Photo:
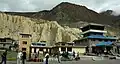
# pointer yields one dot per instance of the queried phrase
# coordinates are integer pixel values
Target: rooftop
(99, 31)
(92, 24)
(101, 37)
(25, 34)
(65, 42)
(4, 38)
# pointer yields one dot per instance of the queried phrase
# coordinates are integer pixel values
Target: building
(63, 46)
(25, 42)
(68, 47)
(79, 49)
(6, 43)
(93, 36)
(39, 49)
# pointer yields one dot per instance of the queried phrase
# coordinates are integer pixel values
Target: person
(78, 57)
(19, 57)
(58, 56)
(73, 54)
(4, 57)
(23, 57)
(46, 58)
(87, 49)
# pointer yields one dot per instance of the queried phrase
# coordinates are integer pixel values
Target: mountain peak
(62, 4)
(107, 12)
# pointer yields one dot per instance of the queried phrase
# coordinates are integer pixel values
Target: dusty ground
(75, 62)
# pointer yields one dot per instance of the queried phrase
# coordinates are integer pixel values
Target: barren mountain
(67, 13)
(72, 15)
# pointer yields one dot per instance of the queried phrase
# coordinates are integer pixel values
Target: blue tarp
(100, 36)
(104, 44)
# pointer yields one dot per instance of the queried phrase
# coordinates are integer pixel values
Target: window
(92, 39)
(33, 43)
(41, 49)
(69, 49)
(63, 49)
(70, 44)
(34, 50)
(24, 42)
(105, 40)
(63, 44)
(3, 45)
(23, 49)
(100, 40)
(25, 36)
(40, 44)
(43, 44)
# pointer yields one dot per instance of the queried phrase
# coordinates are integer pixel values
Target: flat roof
(25, 34)
(7, 38)
(56, 46)
(71, 46)
(35, 46)
(96, 24)
(6, 43)
(101, 37)
(91, 30)
(65, 42)
(92, 24)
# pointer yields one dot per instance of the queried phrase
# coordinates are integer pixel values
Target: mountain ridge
(67, 12)
(70, 14)
(52, 25)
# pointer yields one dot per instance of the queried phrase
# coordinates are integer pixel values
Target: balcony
(5, 42)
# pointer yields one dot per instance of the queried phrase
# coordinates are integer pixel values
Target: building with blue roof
(93, 36)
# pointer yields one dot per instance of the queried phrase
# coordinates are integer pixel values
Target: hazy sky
(37, 5)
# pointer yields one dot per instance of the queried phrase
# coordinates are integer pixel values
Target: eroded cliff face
(41, 30)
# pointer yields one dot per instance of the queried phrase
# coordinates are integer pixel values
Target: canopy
(101, 37)
(104, 44)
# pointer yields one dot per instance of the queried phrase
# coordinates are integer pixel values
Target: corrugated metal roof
(101, 37)
(104, 43)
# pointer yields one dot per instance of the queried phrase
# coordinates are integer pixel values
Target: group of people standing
(47, 57)
(76, 55)
(21, 57)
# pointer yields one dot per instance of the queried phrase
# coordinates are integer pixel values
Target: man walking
(46, 58)
(23, 57)
(19, 57)
(4, 57)
(58, 56)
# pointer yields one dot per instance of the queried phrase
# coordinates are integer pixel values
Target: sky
(38, 5)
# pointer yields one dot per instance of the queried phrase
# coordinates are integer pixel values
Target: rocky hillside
(41, 30)
(67, 13)
(115, 18)
(72, 15)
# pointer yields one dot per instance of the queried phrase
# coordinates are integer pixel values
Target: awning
(104, 44)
